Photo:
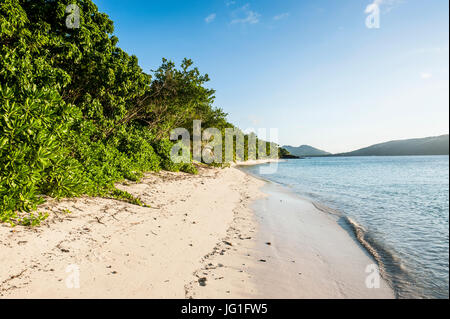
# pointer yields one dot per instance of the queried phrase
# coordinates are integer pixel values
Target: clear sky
(312, 69)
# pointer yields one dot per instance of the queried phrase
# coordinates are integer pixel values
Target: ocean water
(398, 205)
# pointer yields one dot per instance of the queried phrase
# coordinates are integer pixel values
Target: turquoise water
(401, 203)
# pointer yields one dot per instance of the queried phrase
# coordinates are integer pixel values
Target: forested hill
(305, 150)
(437, 145)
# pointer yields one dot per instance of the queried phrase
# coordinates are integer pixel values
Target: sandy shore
(310, 253)
(213, 235)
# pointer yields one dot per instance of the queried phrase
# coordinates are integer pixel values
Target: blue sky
(312, 69)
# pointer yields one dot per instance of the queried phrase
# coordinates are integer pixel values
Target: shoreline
(312, 255)
(354, 230)
(206, 236)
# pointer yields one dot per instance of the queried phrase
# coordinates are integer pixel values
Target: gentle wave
(361, 235)
(387, 261)
(395, 207)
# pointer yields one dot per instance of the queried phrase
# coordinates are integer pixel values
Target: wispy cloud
(426, 75)
(245, 16)
(210, 18)
(281, 16)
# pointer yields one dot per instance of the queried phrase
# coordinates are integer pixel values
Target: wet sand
(220, 234)
(311, 254)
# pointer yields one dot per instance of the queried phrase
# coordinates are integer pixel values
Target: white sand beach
(219, 234)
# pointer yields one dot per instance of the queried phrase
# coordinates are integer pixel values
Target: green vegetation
(305, 150)
(78, 114)
(284, 153)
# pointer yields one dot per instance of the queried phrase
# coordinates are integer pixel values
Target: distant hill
(305, 150)
(437, 145)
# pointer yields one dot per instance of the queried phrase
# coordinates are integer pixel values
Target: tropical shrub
(78, 114)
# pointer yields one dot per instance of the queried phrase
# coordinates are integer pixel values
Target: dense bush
(78, 114)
